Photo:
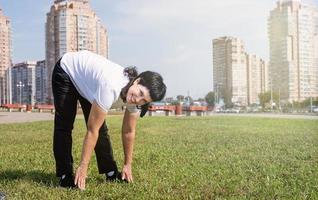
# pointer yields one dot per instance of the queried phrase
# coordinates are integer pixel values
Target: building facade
(293, 39)
(40, 82)
(5, 57)
(9, 85)
(230, 70)
(23, 83)
(257, 78)
(72, 26)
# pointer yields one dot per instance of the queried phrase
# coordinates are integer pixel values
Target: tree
(180, 98)
(265, 98)
(118, 104)
(175, 102)
(210, 98)
(188, 99)
(169, 99)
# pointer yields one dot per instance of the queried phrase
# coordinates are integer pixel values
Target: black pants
(65, 102)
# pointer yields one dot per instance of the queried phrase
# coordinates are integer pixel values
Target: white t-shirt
(96, 78)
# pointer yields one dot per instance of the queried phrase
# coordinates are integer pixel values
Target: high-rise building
(5, 56)
(238, 77)
(40, 82)
(9, 85)
(72, 26)
(23, 82)
(230, 70)
(257, 78)
(293, 39)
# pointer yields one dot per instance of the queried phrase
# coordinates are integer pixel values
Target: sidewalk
(270, 115)
(20, 117)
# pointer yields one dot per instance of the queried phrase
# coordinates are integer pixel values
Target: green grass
(175, 158)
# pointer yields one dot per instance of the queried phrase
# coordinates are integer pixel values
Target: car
(313, 109)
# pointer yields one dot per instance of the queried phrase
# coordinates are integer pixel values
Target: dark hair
(151, 80)
(131, 72)
(154, 83)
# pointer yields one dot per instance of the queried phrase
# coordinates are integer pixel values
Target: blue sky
(172, 37)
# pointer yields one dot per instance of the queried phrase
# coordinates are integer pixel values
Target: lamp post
(217, 93)
(310, 104)
(280, 109)
(20, 86)
(30, 93)
(310, 100)
(271, 96)
(308, 88)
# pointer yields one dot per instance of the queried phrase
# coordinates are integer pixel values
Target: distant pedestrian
(97, 83)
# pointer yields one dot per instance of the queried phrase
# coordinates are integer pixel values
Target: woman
(97, 83)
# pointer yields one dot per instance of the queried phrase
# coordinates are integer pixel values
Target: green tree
(210, 98)
(118, 104)
(188, 99)
(180, 98)
(265, 98)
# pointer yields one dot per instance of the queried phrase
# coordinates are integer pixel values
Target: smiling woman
(142, 89)
(97, 83)
(138, 94)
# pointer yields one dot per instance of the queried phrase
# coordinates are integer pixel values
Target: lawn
(175, 158)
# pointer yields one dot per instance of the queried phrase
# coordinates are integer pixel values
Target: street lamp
(279, 106)
(271, 95)
(309, 88)
(29, 93)
(20, 86)
(217, 92)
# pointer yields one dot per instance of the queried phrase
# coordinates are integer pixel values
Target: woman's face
(138, 94)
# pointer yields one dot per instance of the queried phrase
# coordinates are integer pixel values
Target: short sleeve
(132, 108)
(104, 96)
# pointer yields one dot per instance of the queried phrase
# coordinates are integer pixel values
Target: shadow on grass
(41, 177)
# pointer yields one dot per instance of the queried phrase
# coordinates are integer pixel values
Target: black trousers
(65, 102)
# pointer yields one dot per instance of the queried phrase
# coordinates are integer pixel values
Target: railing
(178, 110)
(11, 107)
(28, 107)
(41, 107)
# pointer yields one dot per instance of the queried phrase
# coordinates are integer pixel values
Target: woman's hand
(80, 177)
(127, 174)
(95, 120)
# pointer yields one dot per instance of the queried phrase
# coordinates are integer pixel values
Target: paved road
(21, 117)
(18, 117)
(270, 115)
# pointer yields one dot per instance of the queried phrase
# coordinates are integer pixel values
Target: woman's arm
(128, 138)
(95, 121)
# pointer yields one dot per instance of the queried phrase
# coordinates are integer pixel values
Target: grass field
(175, 158)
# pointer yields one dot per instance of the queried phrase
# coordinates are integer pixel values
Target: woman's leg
(65, 102)
(103, 148)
